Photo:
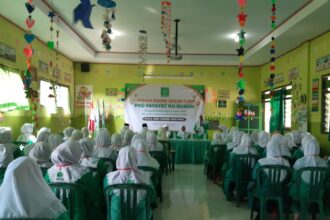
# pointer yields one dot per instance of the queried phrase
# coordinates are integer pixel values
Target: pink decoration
(29, 22)
(241, 3)
(28, 52)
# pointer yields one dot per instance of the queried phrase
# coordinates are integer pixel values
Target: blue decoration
(239, 117)
(51, 14)
(272, 59)
(29, 38)
(29, 7)
(107, 3)
(272, 50)
(83, 12)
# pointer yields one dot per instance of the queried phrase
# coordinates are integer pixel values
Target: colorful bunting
(272, 51)
(143, 47)
(108, 17)
(166, 26)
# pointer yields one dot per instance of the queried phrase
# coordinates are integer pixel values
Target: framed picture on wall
(111, 91)
(222, 103)
(7, 52)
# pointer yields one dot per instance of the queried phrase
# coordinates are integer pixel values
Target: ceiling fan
(176, 47)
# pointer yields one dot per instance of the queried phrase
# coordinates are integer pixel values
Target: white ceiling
(203, 31)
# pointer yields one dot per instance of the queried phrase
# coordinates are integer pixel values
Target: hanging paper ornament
(166, 26)
(29, 6)
(83, 12)
(29, 38)
(108, 17)
(29, 22)
(241, 18)
(143, 46)
(241, 3)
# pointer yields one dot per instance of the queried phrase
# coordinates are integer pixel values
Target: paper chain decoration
(109, 16)
(143, 47)
(241, 18)
(272, 66)
(166, 26)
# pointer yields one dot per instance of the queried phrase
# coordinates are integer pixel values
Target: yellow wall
(12, 36)
(304, 58)
(103, 76)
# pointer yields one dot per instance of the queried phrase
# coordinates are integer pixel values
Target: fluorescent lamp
(167, 77)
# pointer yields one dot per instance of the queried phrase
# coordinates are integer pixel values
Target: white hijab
(288, 137)
(40, 153)
(254, 137)
(263, 139)
(116, 142)
(54, 140)
(26, 136)
(67, 133)
(66, 167)
(237, 136)
(6, 156)
(217, 138)
(43, 136)
(245, 147)
(128, 138)
(152, 143)
(143, 156)
(162, 134)
(87, 158)
(127, 171)
(278, 138)
(229, 136)
(85, 132)
(42, 130)
(296, 137)
(103, 147)
(6, 137)
(76, 135)
(123, 131)
(25, 194)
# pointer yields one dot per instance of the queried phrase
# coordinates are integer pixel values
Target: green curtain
(277, 115)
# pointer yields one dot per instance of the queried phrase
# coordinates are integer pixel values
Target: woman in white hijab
(42, 137)
(6, 138)
(143, 156)
(296, 137)
(54, 141)
(162, 134)
(217, 138)
(40, 153)
(103, 147)
(237, 136)
(42, 130)
(153, 144)
(289, 141)
(224, 132)
(76, 135)
(128, 138)
(6, 156)
(254, 136)
(128, 172)
(67, 133)
(285, 151)
(116, 142)
(85, 133)
(24, 193)
(67, 169)
(299, 152)
(311, 159)
(263, 139)
(245, 147)
(229, 136)
(27, 136)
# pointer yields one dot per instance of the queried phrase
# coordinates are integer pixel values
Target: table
(190, 151)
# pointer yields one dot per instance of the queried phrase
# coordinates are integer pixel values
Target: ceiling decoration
(108, 17)
(207, 36)
(166, 21)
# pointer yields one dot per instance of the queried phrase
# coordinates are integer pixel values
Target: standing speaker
(84, 67)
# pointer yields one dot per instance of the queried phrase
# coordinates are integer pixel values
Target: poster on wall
(67, 77)
(222, 104)
(323, 63)
(210, 95)
(315, 95)
(223, 94)
(302, 120)
(279, 78)
(8, 53)
(156, 105)
(43, 67)
(84, 95)
(293, 74)
(111, 91)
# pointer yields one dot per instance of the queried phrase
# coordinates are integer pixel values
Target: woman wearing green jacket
(128, 172)
(24, 194)
(67, 169)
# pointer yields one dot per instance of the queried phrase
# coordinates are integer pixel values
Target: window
(12, 95)
(325, 120)
(62, 97)
(287, 108)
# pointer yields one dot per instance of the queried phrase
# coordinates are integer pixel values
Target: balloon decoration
(83, 12)
(166, 26)
(272, 66)
(241, 18)
(143, 47)
(108, 17)
(28, 50)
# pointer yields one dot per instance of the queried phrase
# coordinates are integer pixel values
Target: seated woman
(143, 156)
(263, 138)
(237, 136)
(229, 135)
(85, 133)
(254, 137)
(217, 138)
(128, 135)
(24, 194)
(224, 132)
(162, 134)
(6, 156)
(299, 152)
(103, 147)
(153, 144)
(285, 151)
(6, 138)
(67, 133)
(311, 159)
(40, 153)
(245, 147)
(76, 135)
(116, 142)
(128, 172)
(42, 137)
(289, 141)
(67, 169)
(54, 141)
(26, 136)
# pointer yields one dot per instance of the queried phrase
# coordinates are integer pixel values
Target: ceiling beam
(65, 26)
(305, 11)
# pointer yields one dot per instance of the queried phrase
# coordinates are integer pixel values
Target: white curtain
(12, 94)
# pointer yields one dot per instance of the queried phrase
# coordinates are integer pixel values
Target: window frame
(324, 91)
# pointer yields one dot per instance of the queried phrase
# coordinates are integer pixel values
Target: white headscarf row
(25, 194)
(55, 140)
(245, 147)
(237, 136)
(217, 138)
(263, 138)
(116, 141)
(128, 138)
(41, 154)
(143, 156)
(6, 156)
(152, 143)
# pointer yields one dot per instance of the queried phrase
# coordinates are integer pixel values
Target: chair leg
(321, 209)
(262, 209)
(303, 211)
(280, 208)
(237, 194)
(252, 209)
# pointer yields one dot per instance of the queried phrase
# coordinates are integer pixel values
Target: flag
(91, 118)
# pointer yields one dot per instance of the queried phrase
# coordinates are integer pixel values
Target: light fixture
(234, 36)
(182, 77)
(151, 10)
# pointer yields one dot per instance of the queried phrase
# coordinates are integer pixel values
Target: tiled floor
(189, 196)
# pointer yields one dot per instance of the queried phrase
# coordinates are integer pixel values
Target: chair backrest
(156, 176)
(26, 219)
(166, 145)
(128, 195)
(160, 156)
(314, 178)
(72, 196)
(111, 162)
(218, 155)
(272, 179)
(243, 167)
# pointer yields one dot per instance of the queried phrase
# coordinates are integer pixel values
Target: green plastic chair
(128, 199)
(217, 157)
(271, 176)
(242, 171)
(315, 191)
(70, 194)
(160, 156)
(26, 219)
(110, 161)
(156, 179)
(170, 155)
